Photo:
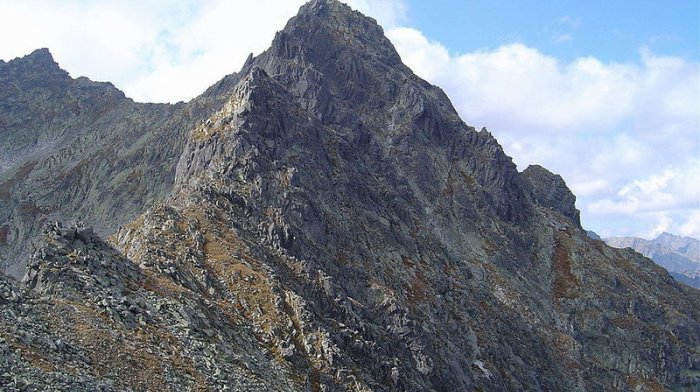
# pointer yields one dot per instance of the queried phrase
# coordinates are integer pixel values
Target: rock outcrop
(86, 318)
(333, 225)
(550, 190)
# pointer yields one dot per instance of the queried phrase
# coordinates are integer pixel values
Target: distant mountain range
(679, 255)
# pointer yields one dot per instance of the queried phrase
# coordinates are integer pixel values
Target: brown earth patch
(565, 283)
(4, 233)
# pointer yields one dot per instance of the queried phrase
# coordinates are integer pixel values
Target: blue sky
(605, 93)
(610, 30)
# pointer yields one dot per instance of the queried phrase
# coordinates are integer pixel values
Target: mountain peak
(669, 236)
(333, 225)
(325, 7)
(39, 64)
(41, 57)
(323, 28)
(43, 54)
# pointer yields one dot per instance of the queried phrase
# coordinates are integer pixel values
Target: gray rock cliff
(550, 190)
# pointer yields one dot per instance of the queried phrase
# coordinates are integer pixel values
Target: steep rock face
(335, 226)
(363, 193)
(326, 187)
(41, 101)
(550, 190)
(347, 73)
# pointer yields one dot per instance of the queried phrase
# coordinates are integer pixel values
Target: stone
(550, 190)
(320, 220)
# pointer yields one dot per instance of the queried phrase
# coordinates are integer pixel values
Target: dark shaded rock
(550, 190)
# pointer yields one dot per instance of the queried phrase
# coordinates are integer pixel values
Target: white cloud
(663, 225)
(571, 21)
(81, 36)
(623, 152)
(691, 227)
(667, 200)
(159, 50)
(536, 91)
(213, 41)
(686, 224)
(562, 29)
(562, 38)
(389, 13)
(590, 187)
(670, 189)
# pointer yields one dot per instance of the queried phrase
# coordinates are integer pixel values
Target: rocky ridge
(78, 149)
(333, 225)
(550, 190)
(87, 318)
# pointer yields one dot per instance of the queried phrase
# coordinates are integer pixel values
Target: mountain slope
(334, 225)
(77, 149)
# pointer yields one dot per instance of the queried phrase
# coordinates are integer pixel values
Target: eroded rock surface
(332, 225)
(550, 190)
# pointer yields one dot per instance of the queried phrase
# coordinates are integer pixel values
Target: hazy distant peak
(679, 255)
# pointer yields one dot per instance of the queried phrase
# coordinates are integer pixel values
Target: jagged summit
(324, 11)
(41, 54)
(550, 190)
(24, 78)
(321, 25)
(40, 57)
(320, 220)
(668, 237)
(326, 8)
(324, 37)
(37, 69)
(340, 68)
(72, 148)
